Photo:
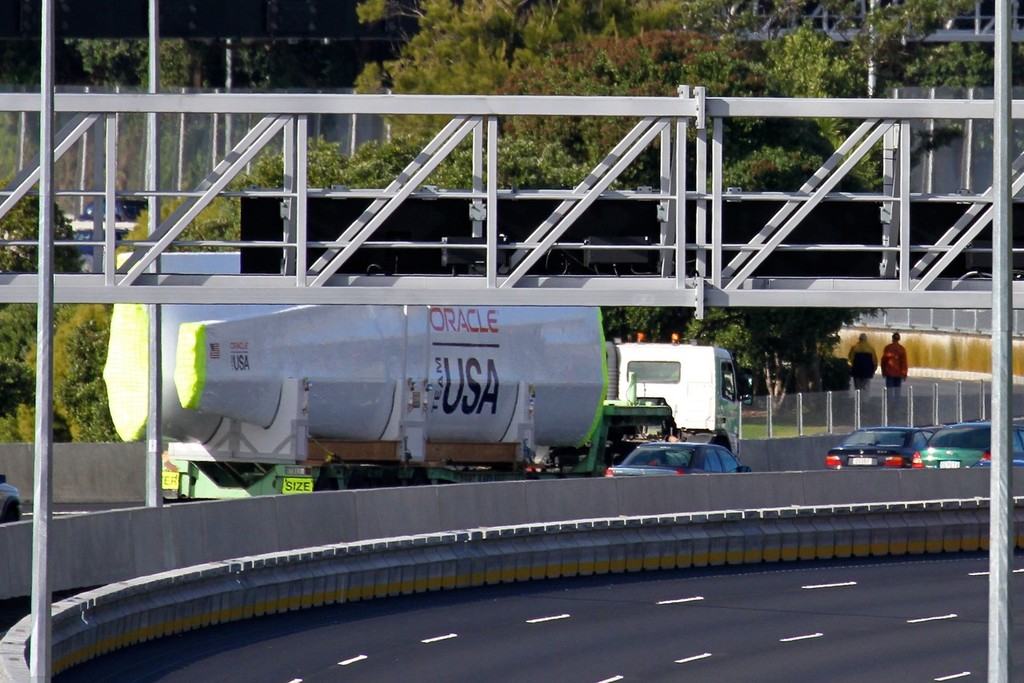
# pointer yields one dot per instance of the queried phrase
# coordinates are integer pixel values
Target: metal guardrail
(957, 321)
(120, 615)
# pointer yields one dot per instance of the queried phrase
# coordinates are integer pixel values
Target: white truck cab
(700, 383)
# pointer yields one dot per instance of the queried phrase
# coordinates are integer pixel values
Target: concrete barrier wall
(116, 472)
(121, 615)
(789, 454)
(103, 547)
(82, 472)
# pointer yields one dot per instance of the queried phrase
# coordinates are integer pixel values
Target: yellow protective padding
(190, 364)
(127, 370)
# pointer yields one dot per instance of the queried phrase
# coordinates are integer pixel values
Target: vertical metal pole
(476, 224)
(353, 142)
(959, 401)
(935, 403)
(229, 58)
(856, 409)
(800, 414)
(289, 158)
(910, 406)
(679, 187)
(99, 176)
(491, 228)
(1001, 477)
(982, 412)
(872, 68)
(769, 413)
(301, 199)
(110, 180)
(828, 412)
(181, 148)
(885, 407)
(41, 646)
(22, 134)
(154, 449)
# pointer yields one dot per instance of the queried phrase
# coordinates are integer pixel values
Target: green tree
(807, 63)
(21, 224)
(17, 384)
(522, 163)
(17, 332)
(964, 65)
(80, 395)
(657, 323)
(783, 346)
(892, 36)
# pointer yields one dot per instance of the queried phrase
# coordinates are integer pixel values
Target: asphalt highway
(921, 618)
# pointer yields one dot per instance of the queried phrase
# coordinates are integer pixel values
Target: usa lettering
(466, 386)
(240, 362)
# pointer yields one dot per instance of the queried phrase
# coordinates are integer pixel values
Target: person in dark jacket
(863, 363)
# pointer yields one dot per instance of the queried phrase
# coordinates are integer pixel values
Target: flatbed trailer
(621, 427)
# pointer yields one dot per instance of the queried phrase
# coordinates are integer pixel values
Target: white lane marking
(295, 680)
(795, 638)
(612, 679)
(829, 585)
(541, 620)
(687, 660)
(924, 619)
(352, 660)
(680, 600)
(962, 674)
(1015, 571)
(440, 638)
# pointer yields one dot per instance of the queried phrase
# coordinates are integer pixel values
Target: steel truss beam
(695, 254)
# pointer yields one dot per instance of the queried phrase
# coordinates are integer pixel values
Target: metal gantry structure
(699, 242)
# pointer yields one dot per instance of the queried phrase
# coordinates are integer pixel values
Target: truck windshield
(655, 371)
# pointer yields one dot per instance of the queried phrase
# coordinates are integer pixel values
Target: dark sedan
(680, 457)
(10, 502)
(879, 447)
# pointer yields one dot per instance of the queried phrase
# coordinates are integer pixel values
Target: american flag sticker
(214, 350)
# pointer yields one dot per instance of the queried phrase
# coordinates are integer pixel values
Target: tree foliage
(523, 163)
(21, 223)
(783, 346)
(80, 394)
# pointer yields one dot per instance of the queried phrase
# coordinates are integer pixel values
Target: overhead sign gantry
(921, 232)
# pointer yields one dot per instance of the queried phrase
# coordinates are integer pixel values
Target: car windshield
(876, 437)
(678, 456)
(973, 437)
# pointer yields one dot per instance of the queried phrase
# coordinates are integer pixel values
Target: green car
(963, 445)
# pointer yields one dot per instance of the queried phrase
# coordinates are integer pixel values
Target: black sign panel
(194, 19)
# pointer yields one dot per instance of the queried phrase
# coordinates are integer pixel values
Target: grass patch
(755, 430)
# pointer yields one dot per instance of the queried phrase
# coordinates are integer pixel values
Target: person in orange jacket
(894, 366)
